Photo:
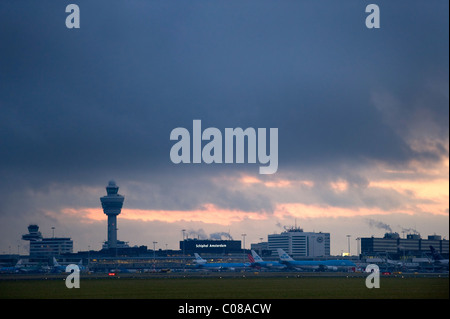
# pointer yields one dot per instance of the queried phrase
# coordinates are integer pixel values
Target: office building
(412, 245)
(46, 247)
(298, 243)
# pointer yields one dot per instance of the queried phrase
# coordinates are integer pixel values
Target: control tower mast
(112, 206)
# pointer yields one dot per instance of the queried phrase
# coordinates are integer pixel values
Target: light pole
(154, 255)
(348, 236)
(358, 246)
(184, 258)
(243, 237)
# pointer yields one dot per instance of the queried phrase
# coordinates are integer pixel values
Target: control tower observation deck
(112, 206)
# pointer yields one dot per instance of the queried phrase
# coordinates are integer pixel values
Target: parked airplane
(257, 261)
(21, 267)
(437, 258)
(199, 260)
(57, 267)
(13, 269)
(321, 265)
(61, 268)
(203, 264)
(81, 267)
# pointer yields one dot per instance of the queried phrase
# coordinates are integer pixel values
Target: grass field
(229, 288)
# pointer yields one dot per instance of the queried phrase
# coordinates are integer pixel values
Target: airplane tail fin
(250, 257)
(435, 254)
(256, 256)
(55, 263)
(283, 255)
(198, 259)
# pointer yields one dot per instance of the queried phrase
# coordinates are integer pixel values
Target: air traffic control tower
(112, 205)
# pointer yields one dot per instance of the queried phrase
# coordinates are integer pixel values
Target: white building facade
(49, 247)
(298, 243)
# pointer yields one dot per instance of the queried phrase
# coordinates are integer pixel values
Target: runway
(215, 274)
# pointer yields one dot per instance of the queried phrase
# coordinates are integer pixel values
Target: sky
(362, 117)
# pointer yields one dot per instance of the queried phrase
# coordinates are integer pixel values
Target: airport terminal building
(46, 247)
(396, 247)
(208, 246)
(298, 243)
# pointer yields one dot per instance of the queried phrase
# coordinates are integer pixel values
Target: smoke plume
(379, 225)
(220, 235)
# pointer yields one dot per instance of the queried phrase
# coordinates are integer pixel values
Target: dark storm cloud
(82, 106)
(108, 95)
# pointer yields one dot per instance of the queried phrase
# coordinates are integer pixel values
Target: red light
(111, 274)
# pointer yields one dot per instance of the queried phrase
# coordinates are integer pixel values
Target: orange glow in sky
(428, 195)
